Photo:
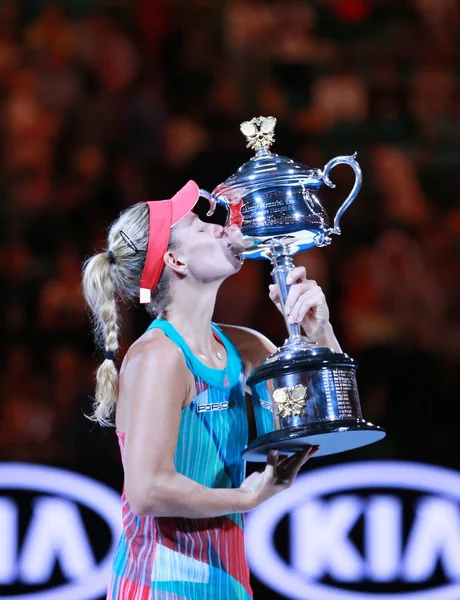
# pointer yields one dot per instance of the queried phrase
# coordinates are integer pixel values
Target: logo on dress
(266, 405)
(215, 406)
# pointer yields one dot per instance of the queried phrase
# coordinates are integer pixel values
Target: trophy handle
(212, 201)
(348, 160)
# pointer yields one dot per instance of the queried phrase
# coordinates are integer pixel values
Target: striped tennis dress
(175, 558)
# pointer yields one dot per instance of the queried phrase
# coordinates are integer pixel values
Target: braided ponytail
(99, 290)
(117, 273)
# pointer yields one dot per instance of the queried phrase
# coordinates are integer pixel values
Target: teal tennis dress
(174, 558)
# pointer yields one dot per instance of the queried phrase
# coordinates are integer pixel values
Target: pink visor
(163, 214)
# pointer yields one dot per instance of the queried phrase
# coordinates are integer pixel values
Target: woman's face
(210, 251)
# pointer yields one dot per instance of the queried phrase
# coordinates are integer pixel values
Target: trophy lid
(277, 196)
(265, 169)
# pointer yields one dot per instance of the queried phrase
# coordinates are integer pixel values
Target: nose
(218, 230)
(233, 231)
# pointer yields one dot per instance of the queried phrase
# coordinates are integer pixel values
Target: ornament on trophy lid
(259, 132)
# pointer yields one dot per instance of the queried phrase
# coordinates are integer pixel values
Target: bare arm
(252, 345)
(156, 382)
(158, 385)
(325, 336)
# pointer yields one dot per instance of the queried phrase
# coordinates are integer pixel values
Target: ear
(174, 262)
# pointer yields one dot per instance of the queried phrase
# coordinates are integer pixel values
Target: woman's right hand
(278, 475)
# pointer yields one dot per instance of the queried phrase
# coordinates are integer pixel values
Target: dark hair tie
(109, 355)
(129, 242)
(112, 257)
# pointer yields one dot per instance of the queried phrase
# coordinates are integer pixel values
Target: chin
(236, 269)
(237, 263)
(232, 268)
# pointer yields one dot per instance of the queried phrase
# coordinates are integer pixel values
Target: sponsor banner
(380, 530)
(48, 548)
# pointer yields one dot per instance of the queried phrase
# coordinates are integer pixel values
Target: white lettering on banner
(323, 514)
(56, 533)
(8, 540)
(435, 536)
(319, 539)
(383, 528)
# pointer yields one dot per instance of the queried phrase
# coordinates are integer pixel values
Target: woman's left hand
(305, 304)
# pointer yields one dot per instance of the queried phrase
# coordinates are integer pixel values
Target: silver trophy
(303, 394)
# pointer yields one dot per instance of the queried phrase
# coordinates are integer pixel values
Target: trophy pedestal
(332, 438)
(307, 396)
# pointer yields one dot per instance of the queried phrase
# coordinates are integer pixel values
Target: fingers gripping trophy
(303, 394)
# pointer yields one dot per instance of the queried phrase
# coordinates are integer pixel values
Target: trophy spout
(347, 160)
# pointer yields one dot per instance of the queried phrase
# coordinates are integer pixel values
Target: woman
(180, 400)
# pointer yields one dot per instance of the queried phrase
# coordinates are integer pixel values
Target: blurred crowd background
(105, 104)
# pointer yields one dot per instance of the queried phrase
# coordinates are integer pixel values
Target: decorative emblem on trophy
(290, 401)
(303, 394)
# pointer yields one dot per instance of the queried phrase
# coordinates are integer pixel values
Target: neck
(191, 314)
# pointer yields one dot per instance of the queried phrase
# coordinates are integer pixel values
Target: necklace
(219, 355)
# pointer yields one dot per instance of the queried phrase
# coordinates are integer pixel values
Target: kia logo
(350, 527)
(55, 533)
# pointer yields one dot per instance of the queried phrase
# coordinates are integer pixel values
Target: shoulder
(253, 346)
(153, 372)
(152, 349)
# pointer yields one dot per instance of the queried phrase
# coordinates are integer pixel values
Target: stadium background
(104, 104)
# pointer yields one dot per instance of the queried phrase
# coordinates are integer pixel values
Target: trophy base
(332, 437)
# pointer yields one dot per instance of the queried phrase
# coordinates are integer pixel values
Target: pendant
(219, 356)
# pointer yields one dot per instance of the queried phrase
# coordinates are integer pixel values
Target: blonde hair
(108, 278)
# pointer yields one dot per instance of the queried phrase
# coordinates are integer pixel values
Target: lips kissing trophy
(303, 394)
